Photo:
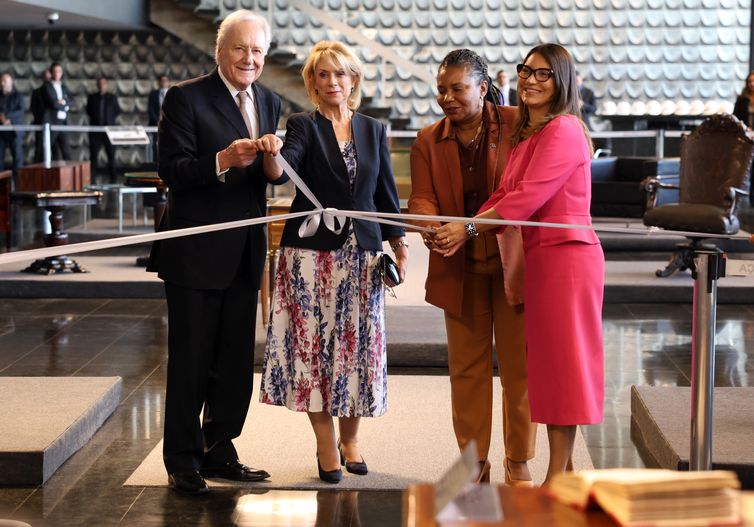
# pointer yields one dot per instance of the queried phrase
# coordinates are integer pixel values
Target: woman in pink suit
(547, 178)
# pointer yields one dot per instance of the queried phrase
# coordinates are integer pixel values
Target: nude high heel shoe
(484, 472)
(520, 483)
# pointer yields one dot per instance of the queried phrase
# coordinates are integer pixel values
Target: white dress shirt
(250, 112)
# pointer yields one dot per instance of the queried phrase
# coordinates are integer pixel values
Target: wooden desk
(56, 201)
(60, 175)
(6, 177)
(275, 207)
(521, 507)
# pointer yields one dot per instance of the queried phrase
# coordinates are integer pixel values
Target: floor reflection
(644, 345)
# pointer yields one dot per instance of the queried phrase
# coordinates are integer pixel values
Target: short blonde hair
(242, 15)
(341, 55)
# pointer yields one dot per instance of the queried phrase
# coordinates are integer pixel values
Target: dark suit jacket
(153, 107)
(741, 109)
(512, 98)
(200, 118)
(52, 106)
(312, 150)
(111, 109)
(37, 105)
(590, 105)
(12, 106)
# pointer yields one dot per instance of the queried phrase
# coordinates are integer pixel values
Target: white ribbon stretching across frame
(330, 218)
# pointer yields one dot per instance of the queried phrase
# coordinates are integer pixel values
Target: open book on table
(654, 497)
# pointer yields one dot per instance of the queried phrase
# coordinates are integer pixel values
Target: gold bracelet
(397, 245)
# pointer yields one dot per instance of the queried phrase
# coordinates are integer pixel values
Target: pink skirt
(563, 295)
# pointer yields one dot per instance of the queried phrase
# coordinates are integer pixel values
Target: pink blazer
(545, 181)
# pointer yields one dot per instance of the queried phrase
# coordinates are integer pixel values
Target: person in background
(743, 109)
(11, 112)
(587, 102)
(37, 109)
(507, 93)
(102, 109)
(455, 166)
(548, 179)
(154, 107)
(58, 104)
(326, 351)
(209, 158)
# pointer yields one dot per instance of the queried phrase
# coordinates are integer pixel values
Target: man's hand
(269, 143)
(239, 154)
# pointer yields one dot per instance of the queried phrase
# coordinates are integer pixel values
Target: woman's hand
(450, 237)
(400, 250)
(269, 143)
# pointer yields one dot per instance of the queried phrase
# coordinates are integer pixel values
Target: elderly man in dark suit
(209, 158)
(58, 103)
(102, 109)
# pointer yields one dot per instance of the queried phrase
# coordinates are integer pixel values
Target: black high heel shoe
(329, 476)
(354, 467)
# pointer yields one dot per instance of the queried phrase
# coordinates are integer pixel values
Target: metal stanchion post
(47, 145)
(660, 144)
(707, 269)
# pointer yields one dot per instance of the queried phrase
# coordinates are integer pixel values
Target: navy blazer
(52, 106)
(312, 150)
(200, 118)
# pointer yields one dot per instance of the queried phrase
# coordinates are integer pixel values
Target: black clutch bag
(389, 271)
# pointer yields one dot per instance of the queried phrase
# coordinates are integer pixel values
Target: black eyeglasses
(541, 74)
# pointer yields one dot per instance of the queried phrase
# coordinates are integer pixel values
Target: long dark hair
(746, 92)
(477, 69)
(566, 99)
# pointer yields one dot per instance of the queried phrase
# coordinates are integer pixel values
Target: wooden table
(6, 177)
(521, 508)
(150, 179)
(275, 207)
(60, 175)
(56, 201)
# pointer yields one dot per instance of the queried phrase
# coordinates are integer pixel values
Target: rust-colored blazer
(437, 188)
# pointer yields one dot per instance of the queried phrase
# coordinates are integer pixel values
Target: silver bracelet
(397, 245)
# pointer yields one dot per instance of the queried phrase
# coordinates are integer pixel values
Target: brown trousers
(486, 313)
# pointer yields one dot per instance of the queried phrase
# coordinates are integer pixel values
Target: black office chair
(715, 161)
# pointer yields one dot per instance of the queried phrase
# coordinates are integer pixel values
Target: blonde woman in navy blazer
(325, 352)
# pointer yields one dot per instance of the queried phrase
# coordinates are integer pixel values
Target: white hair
(242, 15)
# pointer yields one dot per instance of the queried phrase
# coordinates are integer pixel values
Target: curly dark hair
(477, 68)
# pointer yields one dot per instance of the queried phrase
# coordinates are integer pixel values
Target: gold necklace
(476, 134)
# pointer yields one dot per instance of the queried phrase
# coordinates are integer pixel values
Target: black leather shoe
(236, 471)
(354, 467)
(329, 476)
(190, 482)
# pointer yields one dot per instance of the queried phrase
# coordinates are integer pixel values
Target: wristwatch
(471, 230)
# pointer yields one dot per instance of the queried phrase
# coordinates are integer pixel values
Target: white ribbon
(333, 221)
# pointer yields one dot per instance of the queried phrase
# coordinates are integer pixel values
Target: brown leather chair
(715, 161)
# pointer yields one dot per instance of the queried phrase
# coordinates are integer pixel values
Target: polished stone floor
(645, 345)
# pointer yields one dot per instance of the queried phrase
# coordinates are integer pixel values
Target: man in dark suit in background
(154, 106)
(58, 102)
(507, 94)
(37, 109)
(588, 101)
(102, 109)
(208, 158)
(11, 112)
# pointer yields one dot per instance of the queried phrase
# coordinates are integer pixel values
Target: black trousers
(98, 141)
(61, 149)
(15, 144)
(210, 366)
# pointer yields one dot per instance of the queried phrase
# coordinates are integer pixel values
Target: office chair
(715, 161)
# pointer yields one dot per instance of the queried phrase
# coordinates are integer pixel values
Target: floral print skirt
(325, 348)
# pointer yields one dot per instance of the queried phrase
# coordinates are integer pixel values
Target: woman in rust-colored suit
(455, 166)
